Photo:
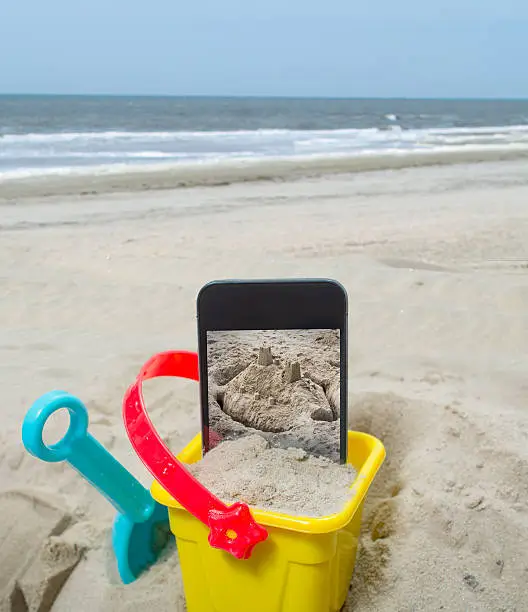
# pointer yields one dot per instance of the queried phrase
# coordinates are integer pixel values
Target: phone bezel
(273, 304)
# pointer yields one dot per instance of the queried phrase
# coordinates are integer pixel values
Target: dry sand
(287, 480)
(435, 262)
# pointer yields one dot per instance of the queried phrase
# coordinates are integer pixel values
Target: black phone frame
(268, 304)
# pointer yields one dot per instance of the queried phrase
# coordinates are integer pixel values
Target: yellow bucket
(305, 565)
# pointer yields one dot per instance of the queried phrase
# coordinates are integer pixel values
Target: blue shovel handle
(85, 454)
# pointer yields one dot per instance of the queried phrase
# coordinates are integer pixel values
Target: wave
(169, 175)
(111, 135)
(101, 153)
(256, 135)
(90, 155)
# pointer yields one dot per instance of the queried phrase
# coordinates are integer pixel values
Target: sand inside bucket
(287, 480)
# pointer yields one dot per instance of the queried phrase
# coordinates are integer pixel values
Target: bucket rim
(373, 454)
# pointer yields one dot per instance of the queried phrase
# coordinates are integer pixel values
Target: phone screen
(284, 384)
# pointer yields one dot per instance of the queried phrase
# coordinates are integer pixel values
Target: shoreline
(107, 180)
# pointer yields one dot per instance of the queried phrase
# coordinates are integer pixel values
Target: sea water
(42, 135)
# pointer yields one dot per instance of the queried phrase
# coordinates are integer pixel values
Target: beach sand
(435, 263)
(286, 480)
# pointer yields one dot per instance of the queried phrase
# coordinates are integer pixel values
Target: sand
(435, 263)
(287, 480)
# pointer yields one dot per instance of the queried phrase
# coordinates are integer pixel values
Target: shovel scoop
(141, 527)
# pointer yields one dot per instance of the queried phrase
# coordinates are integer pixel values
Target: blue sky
(456, 48)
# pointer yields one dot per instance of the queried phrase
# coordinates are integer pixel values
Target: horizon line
(266, 97)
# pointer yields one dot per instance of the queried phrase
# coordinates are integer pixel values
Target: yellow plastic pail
(305, 565)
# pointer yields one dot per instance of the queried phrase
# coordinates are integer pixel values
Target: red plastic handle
(232, 528)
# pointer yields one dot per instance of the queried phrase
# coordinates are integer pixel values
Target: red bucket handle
(232, 528)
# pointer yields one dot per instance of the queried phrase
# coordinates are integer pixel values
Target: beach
(98, 275)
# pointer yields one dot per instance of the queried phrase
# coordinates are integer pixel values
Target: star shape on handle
(235, 530)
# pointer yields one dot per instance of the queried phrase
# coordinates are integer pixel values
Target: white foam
(254, 135)
(41, 154)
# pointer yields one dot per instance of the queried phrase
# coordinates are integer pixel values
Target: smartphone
(273, 362)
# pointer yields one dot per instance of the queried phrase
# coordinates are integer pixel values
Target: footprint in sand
(411, 264)
(35, 560)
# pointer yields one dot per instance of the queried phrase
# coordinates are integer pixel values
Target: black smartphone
(273, 361)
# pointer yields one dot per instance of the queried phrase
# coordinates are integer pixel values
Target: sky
(331, 48)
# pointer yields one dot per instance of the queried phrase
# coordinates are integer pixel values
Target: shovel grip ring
(35, 421)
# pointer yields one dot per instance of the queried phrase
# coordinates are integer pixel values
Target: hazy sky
(410, 48)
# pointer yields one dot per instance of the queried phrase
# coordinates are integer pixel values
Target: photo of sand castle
(283, 384)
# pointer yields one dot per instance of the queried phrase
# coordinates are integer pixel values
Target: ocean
(41, 135)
